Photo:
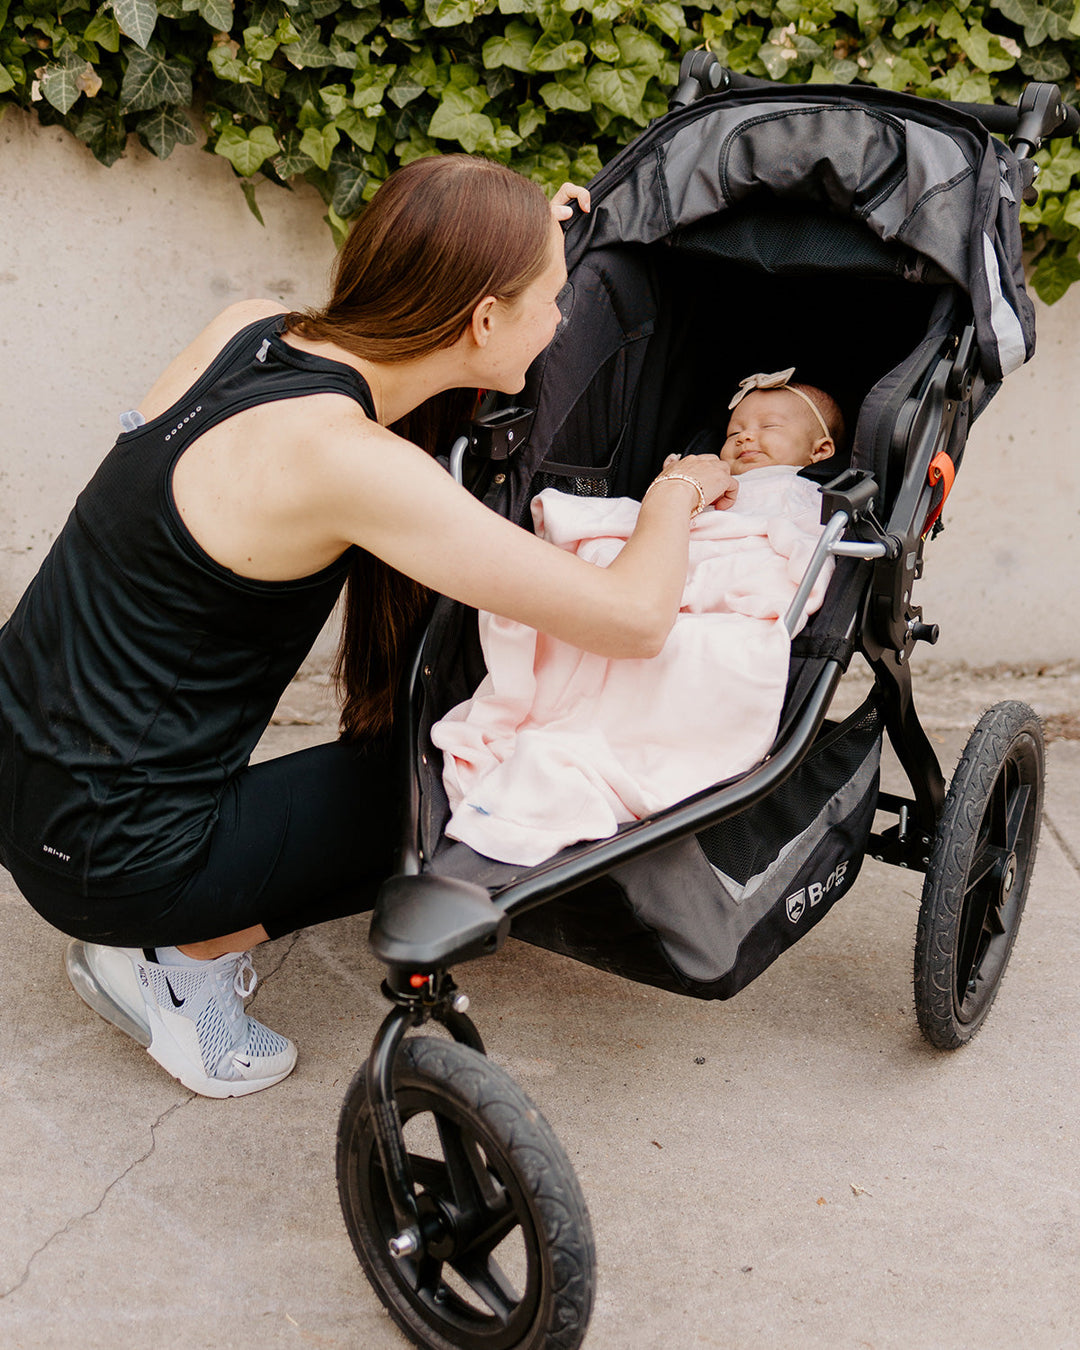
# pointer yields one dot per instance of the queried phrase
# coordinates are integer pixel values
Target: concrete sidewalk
(823, 1178)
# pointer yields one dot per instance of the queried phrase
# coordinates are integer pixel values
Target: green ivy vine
(339, 92)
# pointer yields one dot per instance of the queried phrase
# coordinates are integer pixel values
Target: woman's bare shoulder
(185, 369)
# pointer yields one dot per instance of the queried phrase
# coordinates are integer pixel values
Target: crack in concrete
(294, 938)
(1062, 843)
(89, 1213)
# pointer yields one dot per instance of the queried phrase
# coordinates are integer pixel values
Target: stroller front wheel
(978, 875)
(506, 1260)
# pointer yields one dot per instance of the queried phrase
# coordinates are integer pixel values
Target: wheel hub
(437, 1227)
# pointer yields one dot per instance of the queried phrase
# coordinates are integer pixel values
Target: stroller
(754, 200)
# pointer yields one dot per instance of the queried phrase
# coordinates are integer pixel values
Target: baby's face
(773, 426)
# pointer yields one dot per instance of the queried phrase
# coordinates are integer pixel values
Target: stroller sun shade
(932, 182)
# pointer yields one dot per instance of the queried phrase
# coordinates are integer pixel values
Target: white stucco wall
(105, 273)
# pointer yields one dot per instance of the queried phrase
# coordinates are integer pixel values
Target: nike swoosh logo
(245, 1062)
(177, 1002)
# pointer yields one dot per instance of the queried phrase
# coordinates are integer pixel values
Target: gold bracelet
(686, 478)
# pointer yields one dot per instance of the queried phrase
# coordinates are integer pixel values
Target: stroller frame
(425, 923)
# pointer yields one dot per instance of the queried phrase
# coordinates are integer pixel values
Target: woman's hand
(560, 203)
(717, 483)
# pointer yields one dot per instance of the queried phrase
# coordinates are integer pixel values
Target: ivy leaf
(218, 14)
(356, 28)
(457, 119)
(102, 29)
(248, 99)
(984, 50)
(554, 50)
(1063, 164)
(164, 129)
(101, 129)
(530, 117)
(258, 45)
(308, 52)
(586, 166)
(418, 146)
(567, 91)
(349, 190)
(151, 79)
(334, 98)
(620, 90)
(1045, 63)
(511, 48)
(360, 130)
(248, 188)
(668, 17)
(1053, 277)
(404, 87)
(136, 19)
(292, 161)
(447, 13)
(639, 49)
(319, 142)
(246, 153)
(6, 82)
(60, 82)
(1041, 19)
(338, 227)
(603, 46)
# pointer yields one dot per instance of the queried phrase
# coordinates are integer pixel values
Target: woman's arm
(395, 501)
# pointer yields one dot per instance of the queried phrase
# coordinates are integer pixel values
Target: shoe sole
(174, 1060)
(85, 983)
(155, 1040)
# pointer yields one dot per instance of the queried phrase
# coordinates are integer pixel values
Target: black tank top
(137, 674)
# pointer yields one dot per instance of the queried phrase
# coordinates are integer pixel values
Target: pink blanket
(559, 745)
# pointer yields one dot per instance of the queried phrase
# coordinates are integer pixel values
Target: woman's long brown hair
(439, 235)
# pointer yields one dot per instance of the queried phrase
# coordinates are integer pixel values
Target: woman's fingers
(560, 203)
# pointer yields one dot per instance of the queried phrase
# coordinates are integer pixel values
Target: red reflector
(418, 981)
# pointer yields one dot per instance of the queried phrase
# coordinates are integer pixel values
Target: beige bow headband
(778, 380)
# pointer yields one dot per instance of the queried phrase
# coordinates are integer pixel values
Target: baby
(775, 422)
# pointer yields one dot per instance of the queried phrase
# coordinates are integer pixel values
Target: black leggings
(299, 839)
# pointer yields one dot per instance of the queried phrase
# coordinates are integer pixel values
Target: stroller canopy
(928, 180)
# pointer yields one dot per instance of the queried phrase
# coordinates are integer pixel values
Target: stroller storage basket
(708, 914)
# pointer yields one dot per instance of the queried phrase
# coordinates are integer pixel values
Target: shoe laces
(243, 969)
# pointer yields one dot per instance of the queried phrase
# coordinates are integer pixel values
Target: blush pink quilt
(559, 745)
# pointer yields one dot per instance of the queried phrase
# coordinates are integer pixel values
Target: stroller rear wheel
(977, 880)
(506, 1261)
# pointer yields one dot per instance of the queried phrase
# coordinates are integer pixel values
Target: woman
(274, 457)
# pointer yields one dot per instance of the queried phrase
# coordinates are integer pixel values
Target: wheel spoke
(431, 1173)
(484, 1276)
(974, 922)
(986, 859)
(502, 1220)
(1017, 812)
(471, 1181)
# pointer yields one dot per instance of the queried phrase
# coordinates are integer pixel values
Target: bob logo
(797, 903)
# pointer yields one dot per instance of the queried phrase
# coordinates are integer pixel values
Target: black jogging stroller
(883, 231)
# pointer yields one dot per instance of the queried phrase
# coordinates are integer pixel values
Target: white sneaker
(190, 1018)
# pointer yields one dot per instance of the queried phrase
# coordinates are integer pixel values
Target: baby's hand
(717, 483)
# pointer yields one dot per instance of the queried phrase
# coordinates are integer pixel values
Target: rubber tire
(1001, 771)
(462, 1087)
